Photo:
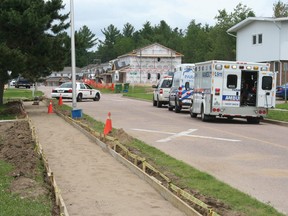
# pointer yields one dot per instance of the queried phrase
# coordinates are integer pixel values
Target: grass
(20, 94)
(280, 115)
(12, 204)
(140, 92)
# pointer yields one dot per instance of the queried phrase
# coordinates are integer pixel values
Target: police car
(83, 91)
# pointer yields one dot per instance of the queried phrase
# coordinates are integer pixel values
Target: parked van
(22, 82)
(180, 96)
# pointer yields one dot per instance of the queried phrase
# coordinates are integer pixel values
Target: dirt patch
(17, 148)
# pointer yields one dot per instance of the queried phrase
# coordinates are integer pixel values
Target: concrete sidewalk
(91, 181)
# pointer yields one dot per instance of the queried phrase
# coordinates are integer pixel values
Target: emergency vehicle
(179, 95)
(233, 90)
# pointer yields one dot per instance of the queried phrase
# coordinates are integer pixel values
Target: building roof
(137, 51)
(249, 20)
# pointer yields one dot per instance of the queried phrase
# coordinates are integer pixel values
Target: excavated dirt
(17, 148)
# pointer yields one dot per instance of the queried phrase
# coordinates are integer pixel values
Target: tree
(128, 30)
(31, 32)
(106, 48)
(280, 9)
(84, 41)
(196, 42)
(224, 45)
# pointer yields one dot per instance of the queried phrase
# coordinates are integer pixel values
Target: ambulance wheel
(253, 120)
(177, 107)
(193, 115)
(204, 117)
(170, 107)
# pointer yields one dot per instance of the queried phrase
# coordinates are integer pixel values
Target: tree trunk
(1, 91)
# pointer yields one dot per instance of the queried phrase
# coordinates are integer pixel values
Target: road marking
(184, 133)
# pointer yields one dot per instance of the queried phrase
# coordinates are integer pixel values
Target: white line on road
(184, 133)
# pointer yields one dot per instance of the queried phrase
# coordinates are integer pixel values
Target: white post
(74, 103)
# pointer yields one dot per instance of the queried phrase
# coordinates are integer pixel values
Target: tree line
(34, 40)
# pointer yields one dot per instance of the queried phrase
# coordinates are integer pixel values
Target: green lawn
(20, 94)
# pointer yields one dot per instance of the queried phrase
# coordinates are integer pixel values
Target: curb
(281, 123)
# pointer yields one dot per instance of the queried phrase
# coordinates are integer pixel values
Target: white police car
(83, 91)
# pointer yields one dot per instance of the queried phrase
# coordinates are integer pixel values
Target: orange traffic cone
(60, 102)
(50, 107)
(108, 125)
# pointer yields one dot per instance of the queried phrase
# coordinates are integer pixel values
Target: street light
(73, 65)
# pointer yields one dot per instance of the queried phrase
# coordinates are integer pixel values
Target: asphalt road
(252, 158)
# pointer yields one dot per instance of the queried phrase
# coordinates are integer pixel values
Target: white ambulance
(182, 88)
(233, 90)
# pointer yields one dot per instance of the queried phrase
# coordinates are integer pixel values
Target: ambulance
(182, 87)
(233, 89)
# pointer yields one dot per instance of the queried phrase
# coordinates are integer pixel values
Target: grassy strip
(14, 205)
(193, 179)
(280, 115)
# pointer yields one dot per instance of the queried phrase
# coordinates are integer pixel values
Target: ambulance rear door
(266, 89)
(231, 88)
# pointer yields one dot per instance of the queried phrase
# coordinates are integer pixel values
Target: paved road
(252, 158)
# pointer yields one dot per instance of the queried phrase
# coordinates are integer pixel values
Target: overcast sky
(99, 14)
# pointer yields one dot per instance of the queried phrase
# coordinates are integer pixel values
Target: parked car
(280, 91)
(12, 82)
(22, 82)
(83, 91)
(161, 92)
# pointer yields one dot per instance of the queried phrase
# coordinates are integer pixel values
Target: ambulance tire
(193, 115)
(170, 107)
(253, 120)
(177, 107)
(204, 117)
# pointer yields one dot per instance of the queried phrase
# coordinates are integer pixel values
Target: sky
(99, 14)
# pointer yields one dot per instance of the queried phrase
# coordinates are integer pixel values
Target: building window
(259, 38)
(254, 39)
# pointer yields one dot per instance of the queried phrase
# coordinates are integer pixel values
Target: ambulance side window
(232, 81)
(266, 83)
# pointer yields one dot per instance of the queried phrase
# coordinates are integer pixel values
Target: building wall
(140, 67)
(267, 51)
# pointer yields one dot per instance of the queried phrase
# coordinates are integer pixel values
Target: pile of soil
(17, 148)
